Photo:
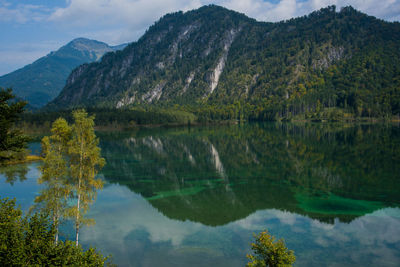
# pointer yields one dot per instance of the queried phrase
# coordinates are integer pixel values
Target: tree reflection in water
(14, 173)
(216, 175)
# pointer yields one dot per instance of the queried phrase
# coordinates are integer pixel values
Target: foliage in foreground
(71, 162)
(269, 252)
(29, 240)
(13, 143)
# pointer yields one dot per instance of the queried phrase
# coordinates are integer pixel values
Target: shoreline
(29, 158)
(122, 127)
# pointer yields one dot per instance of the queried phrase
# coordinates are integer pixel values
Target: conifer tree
(13, 143)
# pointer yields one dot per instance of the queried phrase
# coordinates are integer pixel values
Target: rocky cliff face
(175, 56)
(216, 55)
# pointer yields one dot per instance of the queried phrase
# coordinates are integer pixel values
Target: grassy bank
(29, 158)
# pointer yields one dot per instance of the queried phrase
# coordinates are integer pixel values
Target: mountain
(41, 81)
(221, 174)
(338, 62)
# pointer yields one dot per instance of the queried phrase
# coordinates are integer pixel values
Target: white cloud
(126, 223)
(120, 21)
(120, 16)
(285, 9)
(125, 20)
(141, 13)
(22, 13)
(137, 214)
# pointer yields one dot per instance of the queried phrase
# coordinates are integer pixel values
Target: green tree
(85, 162)
(29, 241)
(270, 253)
(13, 143)
(53, 198)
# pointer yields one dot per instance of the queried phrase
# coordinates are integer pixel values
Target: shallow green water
(194, 196)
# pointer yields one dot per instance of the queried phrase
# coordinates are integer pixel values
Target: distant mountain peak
(81, 40)
(42, 80)
(87, 44)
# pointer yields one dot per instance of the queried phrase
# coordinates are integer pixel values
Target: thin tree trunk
(79, 196)
(57, 236)
(78, 210)
(77, 219)
(56, 226)
(56, 218)
(57, 212)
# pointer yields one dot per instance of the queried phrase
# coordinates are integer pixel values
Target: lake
(194, 196)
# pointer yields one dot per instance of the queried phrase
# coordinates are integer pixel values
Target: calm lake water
(194, 196)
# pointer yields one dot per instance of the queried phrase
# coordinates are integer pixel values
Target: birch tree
(53, 198)
(85, 162)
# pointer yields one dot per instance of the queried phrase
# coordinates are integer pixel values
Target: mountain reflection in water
(193, 196)
(216, 175)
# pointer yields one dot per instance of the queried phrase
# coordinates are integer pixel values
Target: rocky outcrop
(331, 55)
(216, 74)
(216, 55)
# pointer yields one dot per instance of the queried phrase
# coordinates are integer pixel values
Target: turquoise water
(194, 196)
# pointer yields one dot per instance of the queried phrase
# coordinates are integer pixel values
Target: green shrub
(269, 252)
(29, 241)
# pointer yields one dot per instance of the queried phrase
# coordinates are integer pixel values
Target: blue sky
(30, 29)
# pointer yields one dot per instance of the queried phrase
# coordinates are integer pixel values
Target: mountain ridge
(215, 56)
(42, 80)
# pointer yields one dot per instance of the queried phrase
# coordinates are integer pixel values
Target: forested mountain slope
(216, 59)
(41, 81)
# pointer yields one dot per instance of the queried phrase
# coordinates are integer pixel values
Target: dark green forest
(329, 65)
(13, 144)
